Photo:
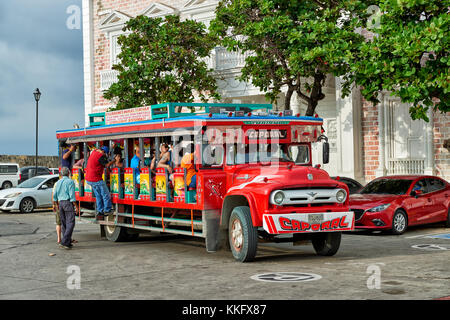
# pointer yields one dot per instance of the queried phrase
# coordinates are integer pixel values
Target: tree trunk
(311, 108)
(287, 100)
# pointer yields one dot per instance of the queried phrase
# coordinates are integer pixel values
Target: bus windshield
(267, 154)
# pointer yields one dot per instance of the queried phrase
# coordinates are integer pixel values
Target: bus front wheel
(327, 243)
(242, 235)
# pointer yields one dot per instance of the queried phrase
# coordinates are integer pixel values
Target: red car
(396, 202)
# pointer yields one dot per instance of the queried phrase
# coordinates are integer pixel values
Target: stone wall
(23, 161)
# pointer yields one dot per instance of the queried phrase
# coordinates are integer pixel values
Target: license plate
(315, 218)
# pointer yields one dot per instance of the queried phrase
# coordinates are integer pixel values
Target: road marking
(286, 277)
(431, 247)
(440, 236)
(427, 235)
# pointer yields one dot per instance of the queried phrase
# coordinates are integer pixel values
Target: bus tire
(242, 235)
(327, 243)
(114, 233)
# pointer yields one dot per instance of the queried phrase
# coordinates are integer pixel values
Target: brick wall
(102, 42)
(23, 161)
(370, 132)
(441, 133)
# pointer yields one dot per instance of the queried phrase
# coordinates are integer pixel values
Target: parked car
(34, 193)
(9, 175)
(54, 170)
(353, 185)
(396, 202)
(24, 172)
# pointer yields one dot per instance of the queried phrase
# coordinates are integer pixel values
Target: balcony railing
(406, 166)
(219, 60)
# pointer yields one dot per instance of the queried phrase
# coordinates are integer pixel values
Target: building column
(88, 58)
(430, 164)
(381, 170)
(348, 126)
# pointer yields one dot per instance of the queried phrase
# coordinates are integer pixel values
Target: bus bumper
(308, 222)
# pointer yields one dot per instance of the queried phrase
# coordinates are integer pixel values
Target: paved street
(174, 267)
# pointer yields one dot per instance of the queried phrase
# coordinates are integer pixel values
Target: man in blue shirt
(135, 161)
(64, 196)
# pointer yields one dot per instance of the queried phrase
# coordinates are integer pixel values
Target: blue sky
(37, 49)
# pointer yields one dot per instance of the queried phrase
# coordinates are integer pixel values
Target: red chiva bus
(240, 173)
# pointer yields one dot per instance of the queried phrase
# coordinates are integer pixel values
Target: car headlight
(278, 197)
(13, 195)
(379, 208)
(341, 195)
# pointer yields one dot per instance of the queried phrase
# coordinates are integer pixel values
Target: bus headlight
(341, 195)
(278, 197)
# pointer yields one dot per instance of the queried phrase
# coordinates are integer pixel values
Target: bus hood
(282, 176)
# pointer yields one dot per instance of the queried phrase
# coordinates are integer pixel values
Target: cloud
(37, 50)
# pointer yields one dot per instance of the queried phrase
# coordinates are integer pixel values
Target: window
(50, 183)
(421, 185)
(261, 153)
(435, 185)
(8, 169)
(387, 186)
(299, 153)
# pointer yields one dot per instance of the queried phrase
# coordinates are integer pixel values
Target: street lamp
(37, 96)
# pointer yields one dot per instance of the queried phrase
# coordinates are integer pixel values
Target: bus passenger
(94, 172)
(165, 161)
(135, 164)
(67, 155)
(117, 162)
(188, 162)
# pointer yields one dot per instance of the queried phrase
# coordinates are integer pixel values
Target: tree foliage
(408, 55)
(161, 60)
(292, 43)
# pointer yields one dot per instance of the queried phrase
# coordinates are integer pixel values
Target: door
(417, 206)
(406, 149)
(438, 211)
(44, 194)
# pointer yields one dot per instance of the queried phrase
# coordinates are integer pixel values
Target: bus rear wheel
(242, 235)
(114, 233)
(327, 243)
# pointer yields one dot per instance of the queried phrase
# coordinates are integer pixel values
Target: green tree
(161, 60)
(294, 43)
(408, 55)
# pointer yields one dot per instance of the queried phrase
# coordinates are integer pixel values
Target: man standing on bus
(94, 177)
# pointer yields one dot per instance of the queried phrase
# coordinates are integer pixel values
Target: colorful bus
(254, 179)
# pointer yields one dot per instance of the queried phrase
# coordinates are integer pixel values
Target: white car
(29, 195)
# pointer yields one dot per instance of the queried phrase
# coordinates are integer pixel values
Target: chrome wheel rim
(399, 222)
(27, 206)
(110, 228)
(237, 236)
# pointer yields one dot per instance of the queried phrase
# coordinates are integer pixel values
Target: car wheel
(242, 235)
(399, 222)
(327, 244)
(27, 205)
(7, 185)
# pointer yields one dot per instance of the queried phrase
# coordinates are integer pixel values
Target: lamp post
(37, 96)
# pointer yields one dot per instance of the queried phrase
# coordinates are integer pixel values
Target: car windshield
(387, 186)
(31, 183)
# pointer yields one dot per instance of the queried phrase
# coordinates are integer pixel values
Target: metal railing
(406, 166)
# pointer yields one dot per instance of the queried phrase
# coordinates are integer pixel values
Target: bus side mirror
(326, 153)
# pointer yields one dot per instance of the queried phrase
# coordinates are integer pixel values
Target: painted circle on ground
(286, 277)
(432, 247)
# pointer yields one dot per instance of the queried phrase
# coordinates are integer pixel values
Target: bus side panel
(213, 188)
